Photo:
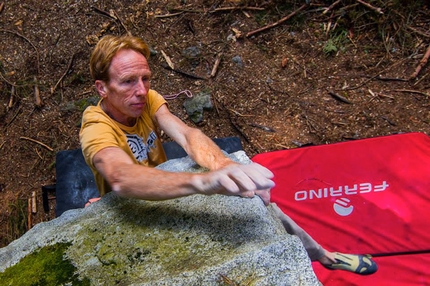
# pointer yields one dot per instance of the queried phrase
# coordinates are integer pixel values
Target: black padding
(228, 144)
(75, 181)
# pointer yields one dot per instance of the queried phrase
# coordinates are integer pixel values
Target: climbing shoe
(360, 264)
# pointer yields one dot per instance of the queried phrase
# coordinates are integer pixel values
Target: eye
(129, 81)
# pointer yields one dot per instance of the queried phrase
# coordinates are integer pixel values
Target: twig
(339, 97)
(14, 116)
(168, 15)
(37, 99)
(33, 202)
(122, 24)
(12, 94)
(421, 64)
(182, 72)
(69, 66)
(1, 7)
(168, 60)
(411, 91)
(265, 128)
(418, 32)
(249, 34)
(221, 9)
(376, 9)
(37, 142)
(6, 81)
(104, 13)
(240, 114)
(389, 78)
(217, 62)
(29, 221)
(331, 7)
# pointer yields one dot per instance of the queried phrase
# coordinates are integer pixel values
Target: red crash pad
(364, 196)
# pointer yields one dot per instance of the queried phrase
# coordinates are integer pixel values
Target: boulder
(196, 240)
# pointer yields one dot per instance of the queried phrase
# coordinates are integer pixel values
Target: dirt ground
(314, 74)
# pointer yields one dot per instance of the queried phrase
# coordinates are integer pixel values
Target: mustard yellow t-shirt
(141, 142)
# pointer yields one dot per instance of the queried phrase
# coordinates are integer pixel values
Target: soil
(318, 77)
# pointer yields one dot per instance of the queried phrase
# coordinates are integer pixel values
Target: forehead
(128, 61)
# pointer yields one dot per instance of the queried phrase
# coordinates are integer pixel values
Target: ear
(101, 88)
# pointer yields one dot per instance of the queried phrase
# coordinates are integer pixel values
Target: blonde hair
(107, 48)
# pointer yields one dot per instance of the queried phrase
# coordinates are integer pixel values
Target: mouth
(139, 105)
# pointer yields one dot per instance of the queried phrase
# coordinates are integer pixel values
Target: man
(120, 138)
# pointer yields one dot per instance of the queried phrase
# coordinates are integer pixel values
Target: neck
(130, 121)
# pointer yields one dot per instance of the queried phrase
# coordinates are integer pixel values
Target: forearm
(204, 151)
(146, 183)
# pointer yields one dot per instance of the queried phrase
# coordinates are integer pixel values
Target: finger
(260, 176)
(264, 195)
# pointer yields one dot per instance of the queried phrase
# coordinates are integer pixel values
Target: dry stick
(29, 222)
(168, 60)
(122, 24)
(217, 62)
(236, 8)
(331, 6)
(421, 64)
(38, 142)
(69, 66)
(376, 9)
(411, 91)
(1, 7)
(104, 13)
(339, 97)
(6, 81)
(12, 94)
(14, 117)
(168, 15)
(37, 99)
(418, 32)
(182, 72)
(276, 23)
(33, 202)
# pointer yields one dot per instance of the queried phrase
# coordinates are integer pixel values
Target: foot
(360, 264)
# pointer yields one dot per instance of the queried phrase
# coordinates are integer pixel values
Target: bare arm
(137, 181)
(197, 145)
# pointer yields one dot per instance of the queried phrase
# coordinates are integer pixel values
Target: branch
(276, 23)
(69, 66)
(421, 64)
(37, 142)
(376, 9)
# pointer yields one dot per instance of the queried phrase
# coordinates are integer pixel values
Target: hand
(264, 196)
(236, 179)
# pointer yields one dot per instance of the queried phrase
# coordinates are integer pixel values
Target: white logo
(342, 207)
(138, 147)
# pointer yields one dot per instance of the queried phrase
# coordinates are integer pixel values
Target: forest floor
(281, 74)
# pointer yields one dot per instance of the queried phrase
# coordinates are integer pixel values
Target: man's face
(125, 93)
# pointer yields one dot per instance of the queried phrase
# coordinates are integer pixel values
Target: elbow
(118, 182)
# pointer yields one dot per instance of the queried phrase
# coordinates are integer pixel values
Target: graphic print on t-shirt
(138, 147)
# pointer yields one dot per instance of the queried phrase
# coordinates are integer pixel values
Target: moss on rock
(47, 266)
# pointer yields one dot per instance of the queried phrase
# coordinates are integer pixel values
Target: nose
(142, 87)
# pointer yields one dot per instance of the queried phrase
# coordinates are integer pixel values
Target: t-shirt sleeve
(155, 101)
(96, 134)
